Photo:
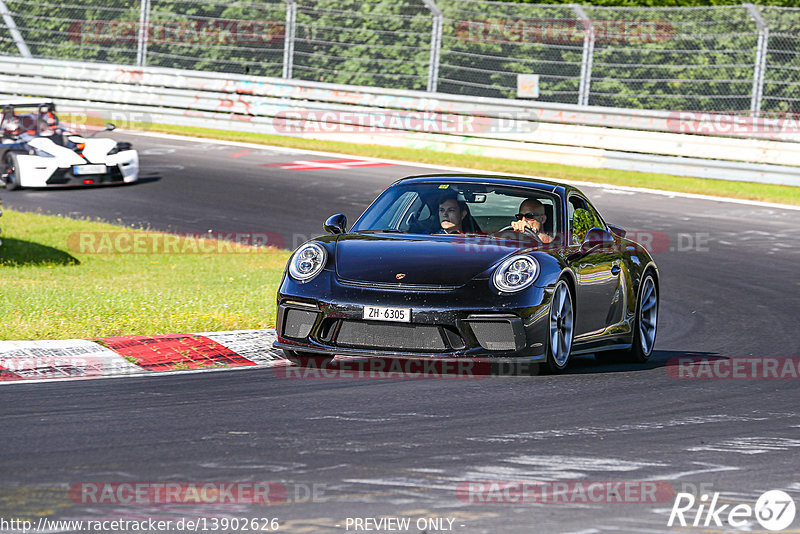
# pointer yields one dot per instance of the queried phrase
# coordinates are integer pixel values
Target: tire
(644, 326)
(562, 328)
(308, 359)
(10, 172)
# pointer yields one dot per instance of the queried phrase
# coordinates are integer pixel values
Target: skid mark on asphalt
(442, 485)
(750, 445)
(357, 416)
(632, 427)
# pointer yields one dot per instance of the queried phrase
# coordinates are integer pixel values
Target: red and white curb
(136, 355)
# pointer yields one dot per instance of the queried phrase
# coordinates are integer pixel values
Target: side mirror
(336, 224)
(108, 128)
(617, 230)
(597, 237)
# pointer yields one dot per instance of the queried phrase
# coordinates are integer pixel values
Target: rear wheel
(561, 328)
(10, 171)
(644, 338)
(644, 328)
(308, 359)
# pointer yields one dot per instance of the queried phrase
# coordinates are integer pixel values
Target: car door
(598, 272)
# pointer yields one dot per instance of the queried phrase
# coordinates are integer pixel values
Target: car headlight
(307, 261)
(515, 274)
(121, 147)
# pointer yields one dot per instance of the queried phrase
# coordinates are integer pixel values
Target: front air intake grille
(361, 334)
(298, 323)
(494, 335)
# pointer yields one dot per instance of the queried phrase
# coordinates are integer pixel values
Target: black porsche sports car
(460, 266)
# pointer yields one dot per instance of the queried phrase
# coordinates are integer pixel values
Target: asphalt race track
(401, 448)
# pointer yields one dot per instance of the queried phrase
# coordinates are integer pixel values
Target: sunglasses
(529, 215)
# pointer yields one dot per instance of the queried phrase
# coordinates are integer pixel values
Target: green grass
(724, 188)
(50, 289)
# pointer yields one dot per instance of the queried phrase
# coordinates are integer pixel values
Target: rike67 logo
(774, 510)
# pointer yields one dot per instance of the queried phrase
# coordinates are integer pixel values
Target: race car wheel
(308, 359)
(644, 328)
(644, 337)
(561, 331)
(10, 171)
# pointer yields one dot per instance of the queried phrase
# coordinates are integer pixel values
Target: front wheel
(11, 171)
(562, 317)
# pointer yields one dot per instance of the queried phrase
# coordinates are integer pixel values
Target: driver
(48, 123)
(531, 219)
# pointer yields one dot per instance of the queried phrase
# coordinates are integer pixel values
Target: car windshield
(480, 209)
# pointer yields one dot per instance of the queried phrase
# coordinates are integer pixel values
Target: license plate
(382, 313)
(80, 170)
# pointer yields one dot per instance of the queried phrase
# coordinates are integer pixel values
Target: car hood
(429, 260)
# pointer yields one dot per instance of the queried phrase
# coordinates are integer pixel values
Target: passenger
(531, 218)
(451, 215)
(48, 123)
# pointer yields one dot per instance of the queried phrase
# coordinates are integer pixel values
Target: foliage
(656, 57)
(582, 222)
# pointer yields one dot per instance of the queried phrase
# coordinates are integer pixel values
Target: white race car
(37, 152)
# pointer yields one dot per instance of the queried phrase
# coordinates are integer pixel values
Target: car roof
(509, 180)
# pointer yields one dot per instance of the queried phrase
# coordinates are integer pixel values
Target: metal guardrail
(624, 139)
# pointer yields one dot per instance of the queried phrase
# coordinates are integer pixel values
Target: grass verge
(52, 288)
(724, 188)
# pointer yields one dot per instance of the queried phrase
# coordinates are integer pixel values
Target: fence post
(144, 23)
(436, 45)
(288, 38)
(12, 29)
(761, 60)
(588, 54)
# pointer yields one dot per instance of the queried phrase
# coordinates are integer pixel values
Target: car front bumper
(38, 171)
(325, 316)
